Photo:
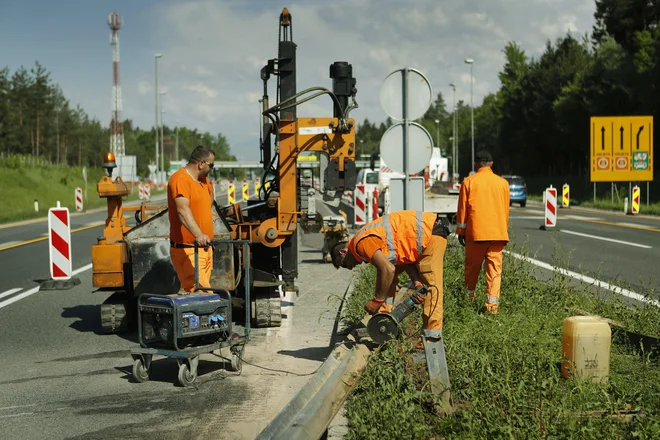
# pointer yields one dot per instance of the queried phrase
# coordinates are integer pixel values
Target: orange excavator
(130, 261)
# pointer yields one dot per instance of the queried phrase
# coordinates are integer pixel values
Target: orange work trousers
(183, 260)
(430, 267)
(475, 254)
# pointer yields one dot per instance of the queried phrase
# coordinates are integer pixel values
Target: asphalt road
(620, 249)
(62, 378)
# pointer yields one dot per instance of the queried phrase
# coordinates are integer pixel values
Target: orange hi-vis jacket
(403, 234)
(483, 207)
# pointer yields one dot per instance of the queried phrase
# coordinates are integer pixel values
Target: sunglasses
(210, 164)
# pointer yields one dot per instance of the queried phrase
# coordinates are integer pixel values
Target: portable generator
(179, 321)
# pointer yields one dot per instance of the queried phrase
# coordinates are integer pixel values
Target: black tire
(186, 376)
(523, 204)
(140, 372)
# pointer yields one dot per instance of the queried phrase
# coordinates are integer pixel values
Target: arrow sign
(621, 132)
(639, 132)
(602, 137)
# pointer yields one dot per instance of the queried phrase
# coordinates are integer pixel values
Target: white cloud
(202, 89)
(213, 52)
(144, 87)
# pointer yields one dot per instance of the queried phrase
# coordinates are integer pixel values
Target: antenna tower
(116, 128)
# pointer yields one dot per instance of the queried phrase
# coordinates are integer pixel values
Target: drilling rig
(131, 261)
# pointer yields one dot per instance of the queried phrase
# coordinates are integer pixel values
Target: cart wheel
(186, 375)
(140, 372)
(237, 359)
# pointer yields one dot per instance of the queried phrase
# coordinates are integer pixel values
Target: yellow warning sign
(621, 148)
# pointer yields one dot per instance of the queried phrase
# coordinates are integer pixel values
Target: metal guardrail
(309, 413)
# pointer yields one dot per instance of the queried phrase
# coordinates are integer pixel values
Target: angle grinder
(383, 327)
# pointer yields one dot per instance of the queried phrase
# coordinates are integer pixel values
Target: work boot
(471, 295)
(490, 309)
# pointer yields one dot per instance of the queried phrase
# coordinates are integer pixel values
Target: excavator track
(116, 314)
(268, 307)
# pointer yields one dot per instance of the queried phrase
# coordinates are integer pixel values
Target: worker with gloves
(413, 241)
(482, 223)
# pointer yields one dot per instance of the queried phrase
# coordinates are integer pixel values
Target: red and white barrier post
(359, 207)
(79, 199)
(375, 204)
(59, 243)
(550, 201)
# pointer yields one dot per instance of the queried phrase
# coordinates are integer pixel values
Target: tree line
(37, 120)
(537, 123)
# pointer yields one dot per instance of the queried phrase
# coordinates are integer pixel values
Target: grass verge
(21, 186)
(504, 369)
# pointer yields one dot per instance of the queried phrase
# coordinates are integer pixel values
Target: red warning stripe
(552, 208)
(57, 272)
(61, 214)
(60, 244)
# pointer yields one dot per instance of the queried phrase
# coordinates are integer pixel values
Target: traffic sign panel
(621, 148)
(419, 149)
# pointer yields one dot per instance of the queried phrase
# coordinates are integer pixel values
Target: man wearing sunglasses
(190, 202)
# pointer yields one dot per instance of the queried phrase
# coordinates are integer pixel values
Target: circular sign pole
(404, 112)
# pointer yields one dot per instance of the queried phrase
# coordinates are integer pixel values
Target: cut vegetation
(505, 369)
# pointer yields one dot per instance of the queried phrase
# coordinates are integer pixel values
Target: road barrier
(635, 200)
(257, 186)
(230, 193)
(360, 217)
(144, 191)
(59, 243)
(246, 195)
(565, 196)
(550, 208)
(79, 199)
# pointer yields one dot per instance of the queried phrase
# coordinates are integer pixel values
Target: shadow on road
(89, 320)
(312, 353)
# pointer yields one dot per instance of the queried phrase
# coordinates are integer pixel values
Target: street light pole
(454, 143)
(156, 82)
(162, 138)
(470, 61)
(437, 125)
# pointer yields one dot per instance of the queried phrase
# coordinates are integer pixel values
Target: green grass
(22, 185)
(504, 369)
(606, 204)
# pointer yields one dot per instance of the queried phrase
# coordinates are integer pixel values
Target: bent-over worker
(413, 241)
(189, 202)
(482, 222)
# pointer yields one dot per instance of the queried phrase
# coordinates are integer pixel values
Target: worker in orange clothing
(413, 241)
(482, 223)
(189, 202)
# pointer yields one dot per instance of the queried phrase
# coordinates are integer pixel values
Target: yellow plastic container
(586, 348)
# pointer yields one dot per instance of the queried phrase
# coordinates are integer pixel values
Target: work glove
(461, 240)
(372, 306)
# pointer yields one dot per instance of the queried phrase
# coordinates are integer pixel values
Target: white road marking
(581, 217)
(621, 291)
(526, 217)
(97, 223)
(17, 406)
(535, 211)
(597, 237)
(36, 289)
(10, 292)
(16, 415)
(9, 243)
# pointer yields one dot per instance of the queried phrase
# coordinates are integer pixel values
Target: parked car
(517, 189)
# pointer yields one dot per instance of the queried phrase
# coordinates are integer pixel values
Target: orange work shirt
(483, 207)
(200, 194)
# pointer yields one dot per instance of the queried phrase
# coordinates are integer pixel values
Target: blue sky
(213, 51)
